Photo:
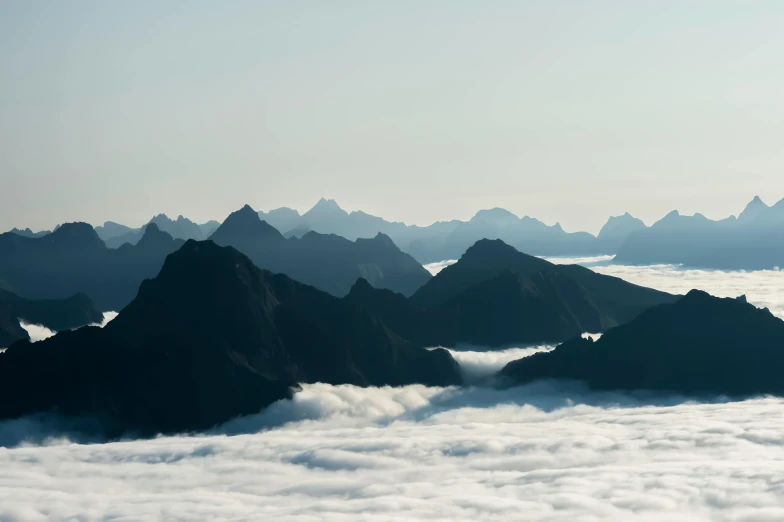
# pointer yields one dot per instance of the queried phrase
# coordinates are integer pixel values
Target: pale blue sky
(416, 111)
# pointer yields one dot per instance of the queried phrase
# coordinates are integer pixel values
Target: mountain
(73, 259)
(753, 241)
(208, 228)
(441, 240)
(617, 229)
(697, 345)
(210, 338)
(29, 233)
(495, 295)
(116, 235)
(328, 262)
(55, 314)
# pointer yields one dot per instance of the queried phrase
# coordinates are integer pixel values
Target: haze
(414, 111)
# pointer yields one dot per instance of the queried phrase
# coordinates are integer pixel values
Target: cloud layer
(38, 332)
(542, 452)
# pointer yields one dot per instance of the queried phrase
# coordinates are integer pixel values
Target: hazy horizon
(421, 112)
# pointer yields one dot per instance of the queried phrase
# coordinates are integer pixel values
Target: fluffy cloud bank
(542, 452)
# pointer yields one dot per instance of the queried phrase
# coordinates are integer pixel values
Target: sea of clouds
(549, 451)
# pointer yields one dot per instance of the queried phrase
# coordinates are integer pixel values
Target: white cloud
(541, 452)
(585, 261)
(478, 363)
(435, 268)
(763, 288)
(38, 332)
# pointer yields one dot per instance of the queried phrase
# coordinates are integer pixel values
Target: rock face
(698, 345)
(495, 295)
(328, 262)
(210, 338)
(753, 241)
(73, 259)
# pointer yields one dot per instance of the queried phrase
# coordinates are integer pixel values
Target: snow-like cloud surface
(763, 288)
(435, 268)
(542, 452)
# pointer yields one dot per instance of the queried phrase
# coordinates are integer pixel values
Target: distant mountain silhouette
(28, 233)
(698, 345)
(73, 259)
(116, 235)
(441, 240)
(210, 338)
(617, 229)
(495, 295)
(328, 262)
(753, 241)
(55, 314)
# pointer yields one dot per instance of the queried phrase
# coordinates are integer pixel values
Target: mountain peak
(242, 226)
(326, 207)
(754, 208)
(496, 216)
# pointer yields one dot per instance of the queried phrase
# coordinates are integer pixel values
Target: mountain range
(115, 235)
(210, 338)
(327, 261)
(699, 345)
(495, 295)
(752, 241)
(73, 259)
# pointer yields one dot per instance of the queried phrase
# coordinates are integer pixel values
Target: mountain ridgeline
(73, 259)
(210, 338)
(326, 261)
(699, 345)
(495, 295)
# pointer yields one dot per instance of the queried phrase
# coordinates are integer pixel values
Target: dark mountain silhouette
(73, 259)
(328, 262)
(210, 338)
(698, 345)
(495, 295)
(29, 233)
(617, 229)
(55, 314)
(116, 235)
(753, 241)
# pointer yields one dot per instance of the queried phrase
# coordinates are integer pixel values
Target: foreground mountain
(328, 262)
(495, 295)
(698, 345)
(73, 260)
(210, 338)
(752, 241)
(55, 314)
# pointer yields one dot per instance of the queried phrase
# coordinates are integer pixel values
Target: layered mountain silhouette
(326, 261)
(28, 233)
(699, 345)
(210, 338)
(55, 314)
(446, 239)
(752, 241)
(115, 235)
(73, 259)
(495, 295)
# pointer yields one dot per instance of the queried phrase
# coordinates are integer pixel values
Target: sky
(416, 111)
